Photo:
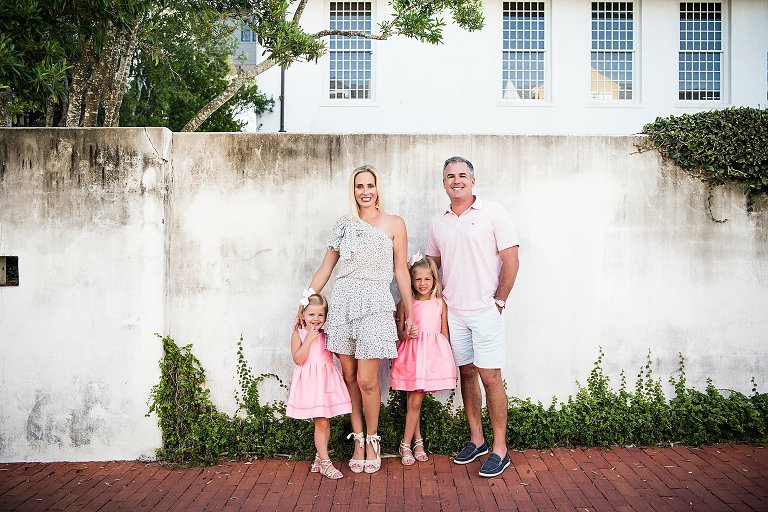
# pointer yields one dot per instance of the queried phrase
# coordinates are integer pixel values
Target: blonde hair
(354, 208)
(430, 265)
(315, 300)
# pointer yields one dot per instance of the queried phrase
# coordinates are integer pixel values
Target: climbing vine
(719, 146)
(195, 432)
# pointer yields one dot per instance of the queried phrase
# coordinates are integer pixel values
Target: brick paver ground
(711, 478)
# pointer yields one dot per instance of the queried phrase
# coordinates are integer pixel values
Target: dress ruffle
(360, 297)
(346, 237)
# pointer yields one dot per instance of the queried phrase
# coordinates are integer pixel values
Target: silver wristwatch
(500, 303)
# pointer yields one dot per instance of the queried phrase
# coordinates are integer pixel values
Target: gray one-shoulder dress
(361, 320)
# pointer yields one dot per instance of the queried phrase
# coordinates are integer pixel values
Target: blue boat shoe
(494, 466)
(470, 452)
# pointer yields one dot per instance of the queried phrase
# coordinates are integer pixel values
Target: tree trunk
(226, 94)
(100, 78)
(6, 97)
(119, 84)
(80, 74)
(49, 114)
(62, 117)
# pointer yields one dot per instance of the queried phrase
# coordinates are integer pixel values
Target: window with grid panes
(350, 56)
(524, 51)
(700, 60)
(612, 55)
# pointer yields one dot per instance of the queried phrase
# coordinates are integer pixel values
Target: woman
(371, 246)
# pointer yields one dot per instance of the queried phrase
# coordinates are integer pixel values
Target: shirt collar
(478, 204)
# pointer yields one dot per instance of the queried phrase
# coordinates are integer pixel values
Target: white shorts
(478, 339)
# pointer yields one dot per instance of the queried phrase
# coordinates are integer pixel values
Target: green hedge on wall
(719, 146)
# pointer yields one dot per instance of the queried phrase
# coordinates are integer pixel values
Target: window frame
(245, 29)
(547, 57)
(371, 100)
(636, 58)
(724, 58)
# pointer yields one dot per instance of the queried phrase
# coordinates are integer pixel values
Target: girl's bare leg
(322, 435)
(412, 421)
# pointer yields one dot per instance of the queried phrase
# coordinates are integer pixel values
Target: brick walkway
(723, 477)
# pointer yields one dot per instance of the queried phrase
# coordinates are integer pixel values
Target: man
(476, 244)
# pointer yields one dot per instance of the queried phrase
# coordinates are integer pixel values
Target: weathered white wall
(84, 212)
(456, 87)
(617, 250)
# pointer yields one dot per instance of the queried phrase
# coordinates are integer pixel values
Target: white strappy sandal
(328, 470)
(407, 458)
(357, 465)
(420, 456)
(372, 466)
(315, 467)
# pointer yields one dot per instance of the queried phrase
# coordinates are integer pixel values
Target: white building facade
(544, 67)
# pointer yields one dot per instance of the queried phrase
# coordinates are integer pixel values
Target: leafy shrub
(194, 432)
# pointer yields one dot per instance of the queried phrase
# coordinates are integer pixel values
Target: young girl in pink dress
(317, 388)
(424, 358)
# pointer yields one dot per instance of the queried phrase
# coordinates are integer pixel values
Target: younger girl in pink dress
(424, 358)
(317, 388)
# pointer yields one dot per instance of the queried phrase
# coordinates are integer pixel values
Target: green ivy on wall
(719, 146)
(194, 432)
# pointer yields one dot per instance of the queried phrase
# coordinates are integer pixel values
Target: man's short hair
(460, 160)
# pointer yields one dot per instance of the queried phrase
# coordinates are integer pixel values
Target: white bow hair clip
(308, 292)
(414, 258)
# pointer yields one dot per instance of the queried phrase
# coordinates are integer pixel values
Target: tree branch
(380, 37)
(299, 11)
(348, 33)
(227, 93)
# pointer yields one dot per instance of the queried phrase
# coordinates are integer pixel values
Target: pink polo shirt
(468, 246)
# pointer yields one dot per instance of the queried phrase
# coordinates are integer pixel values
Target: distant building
(247, 54)
(542, 67)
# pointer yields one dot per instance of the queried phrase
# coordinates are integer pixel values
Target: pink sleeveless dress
(317, 387)
(425, 363)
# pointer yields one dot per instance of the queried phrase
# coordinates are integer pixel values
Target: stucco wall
(83, 210)
(121, 233)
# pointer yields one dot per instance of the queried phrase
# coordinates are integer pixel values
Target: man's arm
(510, 263)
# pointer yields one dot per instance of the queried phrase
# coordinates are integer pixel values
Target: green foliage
(181, 61)
(719, 146)
(710, 416)
(174, 76)
(422, 20)
(275, 30)
(193, 431)
(33, 62)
